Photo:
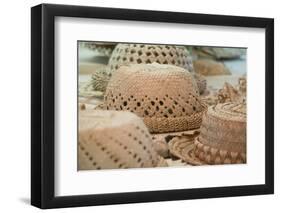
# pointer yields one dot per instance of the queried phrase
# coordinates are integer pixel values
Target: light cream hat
(223, 135)
(112, 140)
(164, 96)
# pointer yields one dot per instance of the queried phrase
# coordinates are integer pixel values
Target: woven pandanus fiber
(124, 54)
(101, 48)
(223, 135)
(112, 140)
(164, 96)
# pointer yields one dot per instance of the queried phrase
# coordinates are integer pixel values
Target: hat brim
(183, 148)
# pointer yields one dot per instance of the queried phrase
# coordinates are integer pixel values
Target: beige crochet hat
(146, 54)
(112, 140)
(223, 135)
(164, 96)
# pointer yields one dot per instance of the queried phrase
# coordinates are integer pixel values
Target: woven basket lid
(112, 140)
(165, 96)
(124, 54)
(223, 135)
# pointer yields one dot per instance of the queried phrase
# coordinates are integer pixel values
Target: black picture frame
(43, 102)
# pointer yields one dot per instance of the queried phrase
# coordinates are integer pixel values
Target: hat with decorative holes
(223, 135)
(146, 54)
(112, 140)
(164, 96)
(125, 54)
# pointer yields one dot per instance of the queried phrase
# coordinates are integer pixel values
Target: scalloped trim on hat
(211, 155)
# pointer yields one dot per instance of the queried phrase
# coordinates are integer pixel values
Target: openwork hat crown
(146, 54)
(158, 93)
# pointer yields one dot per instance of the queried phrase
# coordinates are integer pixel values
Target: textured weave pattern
(112, 140)
(100, 79)
(223, 135)
(183, 148)
(146, 54)
(164, 96)
(104, 49)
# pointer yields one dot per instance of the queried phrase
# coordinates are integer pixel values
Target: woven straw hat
(164, 96)
(112, 140)
(222, 139)
(125, 54)
(223, 135)
(146, 54)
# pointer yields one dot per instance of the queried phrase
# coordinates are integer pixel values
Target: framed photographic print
(139, 106)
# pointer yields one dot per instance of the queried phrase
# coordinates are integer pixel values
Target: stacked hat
(112, 140)
(223, 135)
(164, 96)
(125, 54)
